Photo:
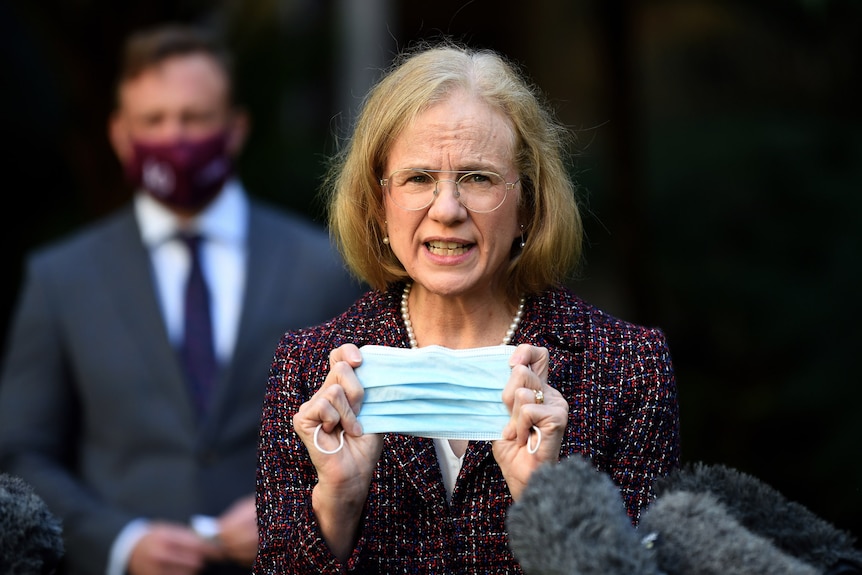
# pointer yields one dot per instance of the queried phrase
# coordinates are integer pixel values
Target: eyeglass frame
(384, 183)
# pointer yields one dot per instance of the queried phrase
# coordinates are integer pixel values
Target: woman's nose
(447, 201)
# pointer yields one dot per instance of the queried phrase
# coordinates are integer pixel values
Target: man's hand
(238, 535)
(171, 549)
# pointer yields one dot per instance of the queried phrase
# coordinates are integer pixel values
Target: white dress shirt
(224, 226)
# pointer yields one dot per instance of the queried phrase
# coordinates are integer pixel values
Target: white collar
(225, 219)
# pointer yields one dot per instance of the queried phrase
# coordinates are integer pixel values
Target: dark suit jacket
(94, 410)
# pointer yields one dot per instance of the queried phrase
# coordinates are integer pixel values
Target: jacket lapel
(130, 295)
(262, 272)
(416, 460)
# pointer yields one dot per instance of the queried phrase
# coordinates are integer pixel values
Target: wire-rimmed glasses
(478, 191)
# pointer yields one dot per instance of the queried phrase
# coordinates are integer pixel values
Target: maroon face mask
(182, 174)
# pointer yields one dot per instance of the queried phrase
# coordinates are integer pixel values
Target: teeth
(446, 248)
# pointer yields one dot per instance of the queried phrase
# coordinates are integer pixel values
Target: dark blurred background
(720, 170)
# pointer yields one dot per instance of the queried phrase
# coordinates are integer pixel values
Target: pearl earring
(385, 238)
(523, 243)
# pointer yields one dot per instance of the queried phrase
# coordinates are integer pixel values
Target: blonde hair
(418, 79)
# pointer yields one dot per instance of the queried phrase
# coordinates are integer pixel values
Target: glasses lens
(477, 191)
(482, 191)
(412, 189)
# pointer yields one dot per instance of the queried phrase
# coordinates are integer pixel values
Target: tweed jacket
(617, 378)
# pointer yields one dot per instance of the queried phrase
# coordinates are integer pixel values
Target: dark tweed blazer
(617, 377)
(94, 410)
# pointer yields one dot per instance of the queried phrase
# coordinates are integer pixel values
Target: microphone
(704, 520)
(694, 533)
(763, 510)
(31, 541)
(571, 519)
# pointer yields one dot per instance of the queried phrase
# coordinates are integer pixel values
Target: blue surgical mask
(435, 391)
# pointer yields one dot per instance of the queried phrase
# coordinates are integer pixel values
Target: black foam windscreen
(31, 541)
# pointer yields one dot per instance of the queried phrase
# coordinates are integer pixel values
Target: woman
(453, 202)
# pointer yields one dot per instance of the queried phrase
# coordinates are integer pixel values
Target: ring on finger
(540, 396)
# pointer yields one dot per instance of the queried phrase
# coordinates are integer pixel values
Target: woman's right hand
(345, 471)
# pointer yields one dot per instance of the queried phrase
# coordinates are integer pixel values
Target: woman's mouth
(447, 248)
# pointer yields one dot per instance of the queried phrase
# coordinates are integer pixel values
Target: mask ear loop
(341, 444)
(530, 450)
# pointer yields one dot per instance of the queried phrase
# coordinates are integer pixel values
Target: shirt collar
(225, 219)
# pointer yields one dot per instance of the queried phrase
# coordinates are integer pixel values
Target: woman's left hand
(532, 403)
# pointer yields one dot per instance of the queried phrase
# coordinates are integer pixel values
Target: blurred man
(131, 389)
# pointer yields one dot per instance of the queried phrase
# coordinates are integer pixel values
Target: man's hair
(145, 49)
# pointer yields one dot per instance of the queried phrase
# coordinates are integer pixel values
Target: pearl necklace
(405, 314)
